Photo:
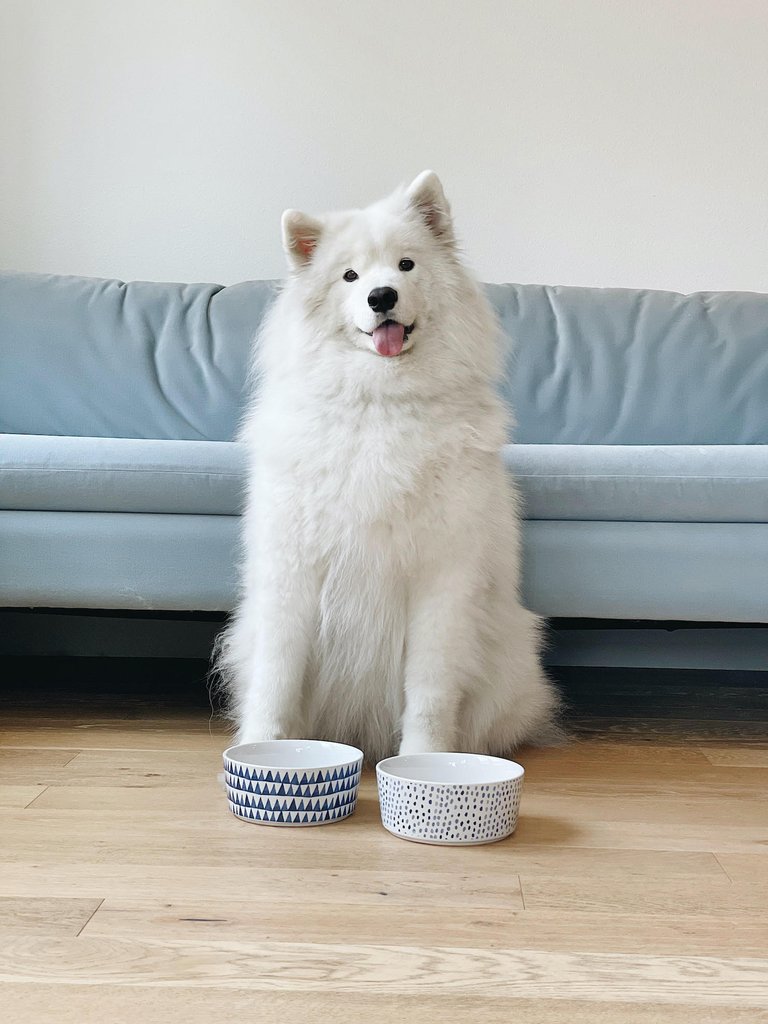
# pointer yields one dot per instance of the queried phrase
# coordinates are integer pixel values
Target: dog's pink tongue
(389, 339)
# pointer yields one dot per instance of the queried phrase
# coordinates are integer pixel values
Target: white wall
(594, 142)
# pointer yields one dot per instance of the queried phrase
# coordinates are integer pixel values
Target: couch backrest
(102, 358)
(616, 366)
(95, 358)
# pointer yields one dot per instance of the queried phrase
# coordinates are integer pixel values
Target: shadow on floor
(636, 704)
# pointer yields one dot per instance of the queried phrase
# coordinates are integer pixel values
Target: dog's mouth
(389, 337)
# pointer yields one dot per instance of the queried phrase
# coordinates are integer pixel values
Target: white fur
(379, 600)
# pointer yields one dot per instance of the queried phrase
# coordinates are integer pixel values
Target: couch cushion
(622, 366)
(720, 483)
(98, 358)
(636, 483)
(101, 474)
(581, 365)
(694, 571)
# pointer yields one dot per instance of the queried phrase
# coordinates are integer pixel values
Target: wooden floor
(635, 889)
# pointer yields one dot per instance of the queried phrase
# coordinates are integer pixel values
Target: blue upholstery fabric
(717, 483)
(81, 356)
(117, 560)
(86, 357)
(642, 483)
(105, 474)
(696, 571)
(642, 430)
(614, 366)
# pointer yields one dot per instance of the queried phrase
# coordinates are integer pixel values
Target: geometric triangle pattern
(285, 789)
(287, 817)
(287, 796)
(265, 803)
(291, 776)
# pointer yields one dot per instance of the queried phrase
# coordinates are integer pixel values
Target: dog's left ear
(301, 233)
(426, 195)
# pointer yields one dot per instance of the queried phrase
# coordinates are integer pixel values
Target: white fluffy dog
(379, 602)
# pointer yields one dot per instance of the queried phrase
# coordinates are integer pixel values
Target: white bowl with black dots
(449, 799)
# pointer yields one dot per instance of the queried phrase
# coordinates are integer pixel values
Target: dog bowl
(449, 799)
(292, 782)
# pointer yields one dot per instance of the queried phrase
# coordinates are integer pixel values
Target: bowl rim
(514, 770)
(350, 756)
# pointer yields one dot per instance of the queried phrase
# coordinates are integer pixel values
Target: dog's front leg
(282, 604)
(441, 650)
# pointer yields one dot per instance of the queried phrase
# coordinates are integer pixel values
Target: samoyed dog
(379, 596)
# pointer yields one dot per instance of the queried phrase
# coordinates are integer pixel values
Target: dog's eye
(350, 275)
(406, 264)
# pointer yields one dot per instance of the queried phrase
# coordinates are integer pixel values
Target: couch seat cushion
(101, 474)
(642, 483)
(666, 483)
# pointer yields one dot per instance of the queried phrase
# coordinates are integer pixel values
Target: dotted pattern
(449, 814)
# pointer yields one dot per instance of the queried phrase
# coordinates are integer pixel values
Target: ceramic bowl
(292, 782)
(449, 799)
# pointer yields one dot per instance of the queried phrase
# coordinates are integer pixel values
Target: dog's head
(376, 277)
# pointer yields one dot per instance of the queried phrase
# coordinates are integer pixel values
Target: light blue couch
(642, 426)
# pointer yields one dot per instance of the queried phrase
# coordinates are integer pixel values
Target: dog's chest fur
(378, 463)
(376, 482)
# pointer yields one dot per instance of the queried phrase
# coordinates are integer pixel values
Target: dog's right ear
(301, 233)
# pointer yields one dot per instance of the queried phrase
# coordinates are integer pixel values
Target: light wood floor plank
(312, 967)
(471, 926)
(687, 780)
(52, 766)
(47, 915)
(566, 830)
(738, 757)
(46, 1003)
(746, 867)
(17, 763)
(32, 877)
(131, 798)
(582, 756)
(160, 736)
(718, 898)
(442, 888)
(710, 809)
(19, 796)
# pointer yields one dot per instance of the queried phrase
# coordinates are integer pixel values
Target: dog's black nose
(381, 300)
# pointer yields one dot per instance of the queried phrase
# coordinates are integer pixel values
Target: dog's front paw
(419, 743)
(253, 731)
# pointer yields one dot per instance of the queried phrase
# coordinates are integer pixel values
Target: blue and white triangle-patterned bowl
(449, 799)
(292, 782)
(307, 783)
(292, 819)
